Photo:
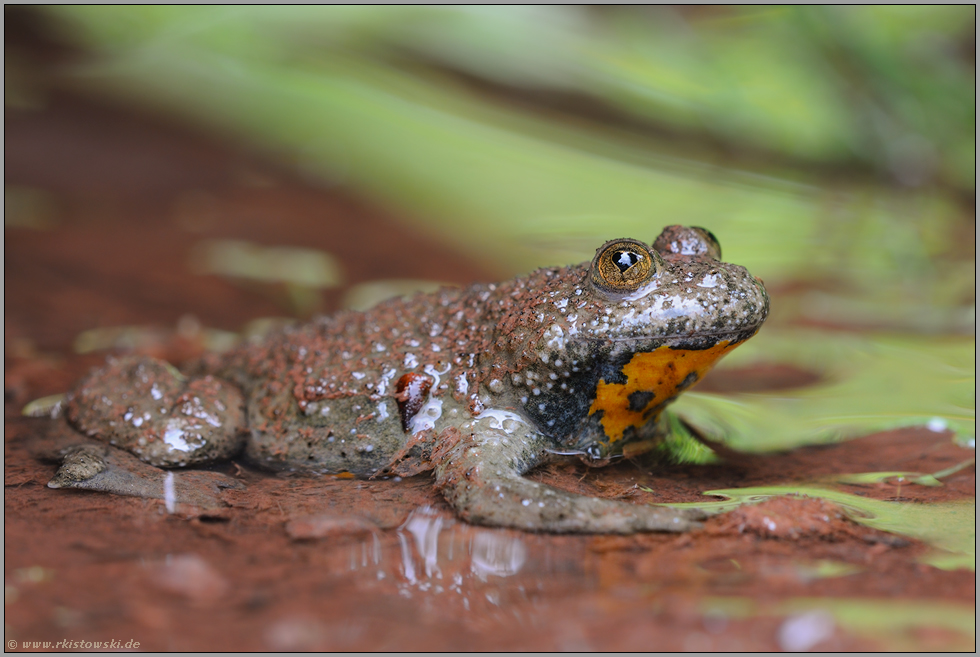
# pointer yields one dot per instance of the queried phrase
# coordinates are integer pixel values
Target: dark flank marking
(565, 411)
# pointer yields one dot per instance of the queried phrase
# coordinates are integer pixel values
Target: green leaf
(869, 384)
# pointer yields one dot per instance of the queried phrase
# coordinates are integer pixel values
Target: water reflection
(433, 554)
(494, 555)
(424, 525)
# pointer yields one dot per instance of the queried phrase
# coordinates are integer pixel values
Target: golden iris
(623, 265)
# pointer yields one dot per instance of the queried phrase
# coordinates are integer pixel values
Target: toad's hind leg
(481, 478)
(146, 407)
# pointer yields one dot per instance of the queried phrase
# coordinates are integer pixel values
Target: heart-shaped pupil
(625, 259)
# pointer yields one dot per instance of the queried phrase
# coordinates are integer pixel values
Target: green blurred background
(831, 150)
(832, 145)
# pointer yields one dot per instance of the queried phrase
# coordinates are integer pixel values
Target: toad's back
(344, 393)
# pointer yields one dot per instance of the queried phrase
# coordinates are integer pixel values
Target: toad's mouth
(718, 335)
(691, 340)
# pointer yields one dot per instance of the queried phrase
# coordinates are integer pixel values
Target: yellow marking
(660, 372)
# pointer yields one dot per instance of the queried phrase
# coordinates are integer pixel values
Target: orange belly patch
(658, 373)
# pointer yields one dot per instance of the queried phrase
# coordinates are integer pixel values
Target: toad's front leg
(481, 476)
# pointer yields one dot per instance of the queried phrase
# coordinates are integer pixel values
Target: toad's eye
(624, 265)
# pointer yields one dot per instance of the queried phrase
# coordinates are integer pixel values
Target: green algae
(949, 527)
(825, 569)
(899, 478)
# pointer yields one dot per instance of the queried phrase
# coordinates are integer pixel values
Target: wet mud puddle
(472, 569)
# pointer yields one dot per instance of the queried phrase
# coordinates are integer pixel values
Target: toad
(479, 385)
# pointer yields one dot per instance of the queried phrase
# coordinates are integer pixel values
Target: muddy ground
(340, 564)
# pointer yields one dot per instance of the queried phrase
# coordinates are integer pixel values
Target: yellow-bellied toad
(480, 384)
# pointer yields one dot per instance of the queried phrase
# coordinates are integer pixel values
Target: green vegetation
(818, 143)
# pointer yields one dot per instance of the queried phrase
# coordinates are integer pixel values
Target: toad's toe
(109, 470)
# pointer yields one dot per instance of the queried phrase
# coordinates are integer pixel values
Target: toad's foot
(481, 477)
(103, 468)
(150, 409)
